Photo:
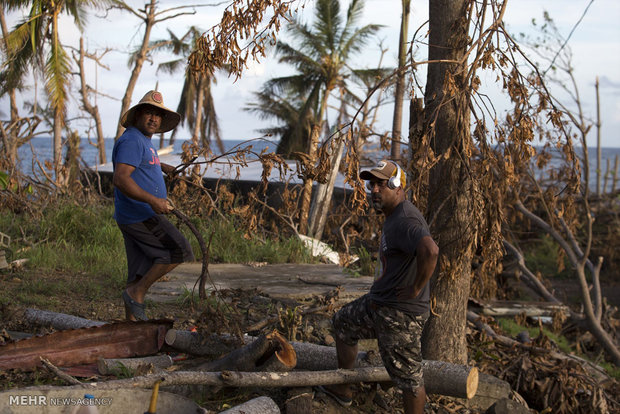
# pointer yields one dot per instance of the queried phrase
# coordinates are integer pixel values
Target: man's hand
(161, 206)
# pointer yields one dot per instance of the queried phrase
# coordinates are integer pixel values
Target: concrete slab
(280, 281)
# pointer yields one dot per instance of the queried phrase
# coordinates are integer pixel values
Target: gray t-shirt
(402, 231)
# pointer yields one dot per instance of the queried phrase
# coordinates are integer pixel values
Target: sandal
(135, 308)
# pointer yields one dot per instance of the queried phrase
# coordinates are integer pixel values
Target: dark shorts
(398, 335)
(152, 241)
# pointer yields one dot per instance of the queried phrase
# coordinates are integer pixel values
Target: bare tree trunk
(199, 109)
(598, 141)
(400, 82)
(450, 203)
(93, 110)
(149, 22)
(307, 194)
(324, 192)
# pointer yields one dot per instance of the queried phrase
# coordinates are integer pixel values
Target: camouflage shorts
(398, 335)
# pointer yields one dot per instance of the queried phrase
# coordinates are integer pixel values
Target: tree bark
(58, 321)
(278, 379)
(93, 110)
(269, 352)
(307, 194)
(324, 192)
(107, 366)
(400, 82)
(450, 199)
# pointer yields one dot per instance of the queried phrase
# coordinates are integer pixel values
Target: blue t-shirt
(135, 149)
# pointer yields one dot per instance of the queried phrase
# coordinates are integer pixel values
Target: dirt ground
(256, 291)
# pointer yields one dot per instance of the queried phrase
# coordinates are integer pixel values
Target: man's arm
(427, 253)
(123, 181)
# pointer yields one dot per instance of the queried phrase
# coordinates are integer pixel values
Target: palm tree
(286, 111)
(320, 56)
(34, 42)
(196, 104)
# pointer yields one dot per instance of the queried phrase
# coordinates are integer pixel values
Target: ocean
(42, 148)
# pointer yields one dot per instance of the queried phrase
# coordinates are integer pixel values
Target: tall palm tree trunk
(10, 140)
(199, 108)
(400, 82)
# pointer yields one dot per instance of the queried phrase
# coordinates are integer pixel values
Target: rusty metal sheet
(84, 346)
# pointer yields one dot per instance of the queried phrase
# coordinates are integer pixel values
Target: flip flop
(343, 401)
(136, 309)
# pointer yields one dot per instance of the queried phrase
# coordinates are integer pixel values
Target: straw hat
(169, 121)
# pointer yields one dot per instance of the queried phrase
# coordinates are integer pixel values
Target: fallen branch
(593, 369)
(278, 379)
(59, 373)
(107, 366)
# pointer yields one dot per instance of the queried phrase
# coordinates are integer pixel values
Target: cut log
(58, 321)
(441, 377)
(269, 352)
(259, 405)
(196, 344)
(113, 366)
(280, 379)
(447, 379)
(299, 400)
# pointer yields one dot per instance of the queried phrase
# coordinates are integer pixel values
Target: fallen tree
(275, 379)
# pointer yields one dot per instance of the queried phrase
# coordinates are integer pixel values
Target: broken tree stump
(58, 321)
(269, 352)
(259, 405)
(108, 366)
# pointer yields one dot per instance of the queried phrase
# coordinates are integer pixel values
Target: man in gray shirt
(397, 306)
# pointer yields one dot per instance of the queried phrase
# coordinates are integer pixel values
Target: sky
(595, 46)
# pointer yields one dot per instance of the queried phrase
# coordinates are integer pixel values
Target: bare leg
(346, 359)
(413, 402)
(137, 290)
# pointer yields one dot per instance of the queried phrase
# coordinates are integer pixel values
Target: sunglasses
(370, 185)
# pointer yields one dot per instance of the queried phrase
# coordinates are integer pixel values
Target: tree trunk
(307, 194)
(93, 110)
(400, 82)
(58, 321)
(11, 140)
(111, 366)
(269, 352)
(283, 379)
(149, 21)
(450, 199)
(324, 192)
(199, 109)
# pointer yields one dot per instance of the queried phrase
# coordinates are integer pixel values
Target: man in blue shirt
(154, 246)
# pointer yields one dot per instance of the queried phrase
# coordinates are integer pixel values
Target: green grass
(85, 239)
(544, 256)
